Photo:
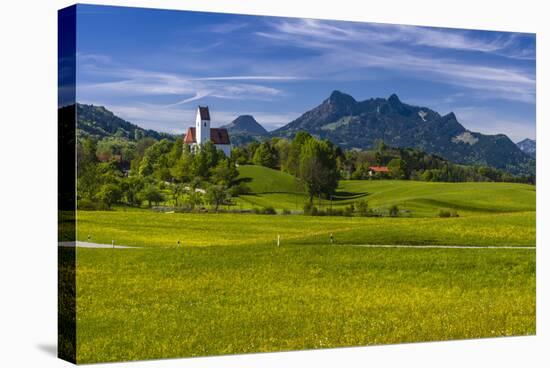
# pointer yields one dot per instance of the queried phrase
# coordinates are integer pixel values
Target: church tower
(202, 125)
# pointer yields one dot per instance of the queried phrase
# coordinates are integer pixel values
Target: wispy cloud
(344, 45)
(316, 32)
(226, 27)
(498, 43)
(252, 77)
(138, 82)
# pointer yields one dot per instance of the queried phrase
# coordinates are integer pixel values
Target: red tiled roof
(379, 168)
(205, 113)
(190, 136)
(217, 136)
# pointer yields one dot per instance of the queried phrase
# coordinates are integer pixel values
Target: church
(202, 133)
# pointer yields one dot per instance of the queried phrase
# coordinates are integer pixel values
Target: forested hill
(98, 122)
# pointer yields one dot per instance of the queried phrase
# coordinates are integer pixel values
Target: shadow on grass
(342, 196)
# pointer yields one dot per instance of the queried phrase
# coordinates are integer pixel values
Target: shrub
(239, 189)
(362, 208)
(335, 212)
(348, 210)
(269, 211)
(444, 213)
(448, 213)
(286, 211)
(86, 204)
(394, 211)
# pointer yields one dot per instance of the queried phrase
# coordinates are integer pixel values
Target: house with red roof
(378, 170)
(202, 133)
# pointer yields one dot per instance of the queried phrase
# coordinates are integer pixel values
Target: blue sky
(153, 67)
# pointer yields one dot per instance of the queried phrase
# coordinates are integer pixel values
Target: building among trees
(202, 133)
(378, 169)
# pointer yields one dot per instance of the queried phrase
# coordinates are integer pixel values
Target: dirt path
(439, 246)
(81, 244)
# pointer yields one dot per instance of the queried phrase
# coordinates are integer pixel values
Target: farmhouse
(378, 169)
(202, 133)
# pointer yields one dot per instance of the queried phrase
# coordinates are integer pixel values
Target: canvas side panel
(66, 114)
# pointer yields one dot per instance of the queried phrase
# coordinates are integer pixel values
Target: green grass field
(229, 289)
(149, 303)
(150, 229)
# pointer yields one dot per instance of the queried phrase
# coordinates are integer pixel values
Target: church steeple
(202, 125)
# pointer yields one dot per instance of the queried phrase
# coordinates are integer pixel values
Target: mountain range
(353, 124)
(528, 146)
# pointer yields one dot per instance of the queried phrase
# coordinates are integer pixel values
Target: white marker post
(113, 242)
(278, 240)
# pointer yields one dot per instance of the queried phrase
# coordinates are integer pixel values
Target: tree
(217, 195)
(317, 171)
(138, 134)
(398, 168)
(240, 155)
(87, 184)
(151, 194)
(293, 159)
(266, 155)
(141, 146)
(182, 169)
(206, 158)
(155, 160)
(176, 152)
(225, 173)
(131, 186)
(177, 190)
(192, 199)
(110, 194)
(86, 154)
(283, 150)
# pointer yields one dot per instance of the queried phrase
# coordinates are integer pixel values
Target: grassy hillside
(419, 199)
(265, 180)
(426, 199)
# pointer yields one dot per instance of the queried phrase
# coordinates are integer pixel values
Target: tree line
(402, 163)
(112, 171)
(115, 170)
